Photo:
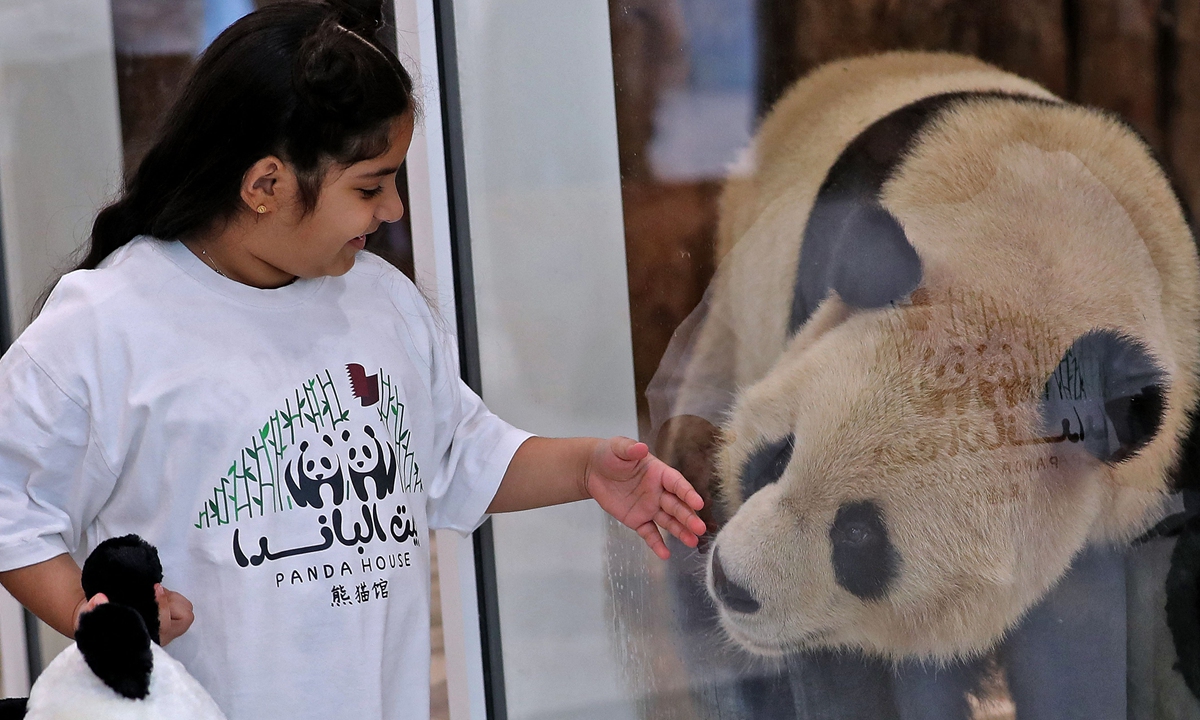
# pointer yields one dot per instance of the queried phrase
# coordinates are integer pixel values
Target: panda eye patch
(766, 465)
(856, 534)
(864, 559)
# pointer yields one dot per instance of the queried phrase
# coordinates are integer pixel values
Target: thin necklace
(212, 262)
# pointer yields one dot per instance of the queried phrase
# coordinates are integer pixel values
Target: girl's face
(354, 200)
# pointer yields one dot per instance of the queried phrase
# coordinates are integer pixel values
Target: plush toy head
(116, 670)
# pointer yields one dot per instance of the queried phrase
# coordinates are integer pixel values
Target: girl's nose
(392, 209)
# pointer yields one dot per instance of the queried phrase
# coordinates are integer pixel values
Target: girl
(229, 376)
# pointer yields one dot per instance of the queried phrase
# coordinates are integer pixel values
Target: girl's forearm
(545, 471)
(51, 590)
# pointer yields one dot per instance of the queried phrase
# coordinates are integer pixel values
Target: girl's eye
(372, 192)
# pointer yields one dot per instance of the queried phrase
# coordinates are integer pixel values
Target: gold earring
(260, 209)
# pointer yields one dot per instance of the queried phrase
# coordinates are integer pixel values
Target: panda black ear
(1107, 394)
(126, 569)
(114, 642)
(873, 262)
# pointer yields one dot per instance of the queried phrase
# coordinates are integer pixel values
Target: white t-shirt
(287, 450)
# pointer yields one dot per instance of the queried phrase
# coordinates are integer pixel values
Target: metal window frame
(442, 259)
(16, 646)
(468, 339)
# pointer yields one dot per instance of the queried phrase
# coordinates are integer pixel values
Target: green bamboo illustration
(274, 438)
(290, 419)
(310, 397)
(258, 471)
(387, 397)
(327, 387)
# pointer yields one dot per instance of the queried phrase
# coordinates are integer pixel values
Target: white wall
(60, 141)
(60, 159)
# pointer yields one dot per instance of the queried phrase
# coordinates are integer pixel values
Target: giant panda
(116, 670)
(960, 321)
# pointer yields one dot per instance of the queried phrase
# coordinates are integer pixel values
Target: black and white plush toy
(116, 669)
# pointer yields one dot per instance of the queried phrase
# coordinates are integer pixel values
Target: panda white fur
(68, 689)
(962, 318)
(116, 670)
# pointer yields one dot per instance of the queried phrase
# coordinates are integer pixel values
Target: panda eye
(766, 465)
(864, 560)
(854, 534)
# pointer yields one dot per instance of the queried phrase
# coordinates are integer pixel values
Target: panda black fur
(964, 319)
(116, 669)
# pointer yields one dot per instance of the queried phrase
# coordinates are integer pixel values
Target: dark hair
(306, 81)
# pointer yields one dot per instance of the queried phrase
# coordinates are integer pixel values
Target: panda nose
(733, 596)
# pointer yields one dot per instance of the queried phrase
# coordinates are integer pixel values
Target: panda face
(901, 483)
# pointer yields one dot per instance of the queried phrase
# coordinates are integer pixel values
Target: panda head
(116, 669)
(910, 481)
(989, 364)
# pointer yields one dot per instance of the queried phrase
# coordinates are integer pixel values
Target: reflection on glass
(922, 345)
(155, 45)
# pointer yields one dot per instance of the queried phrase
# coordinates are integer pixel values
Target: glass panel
(923, 333)
(883, 339)
(543, 191)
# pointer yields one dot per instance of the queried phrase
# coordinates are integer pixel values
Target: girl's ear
(261, 185)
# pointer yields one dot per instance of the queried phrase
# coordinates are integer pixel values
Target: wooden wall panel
(1027, 37)
(1117, 61)
(1183, 104)
(778, 59)
(669, 239)
(649, 52)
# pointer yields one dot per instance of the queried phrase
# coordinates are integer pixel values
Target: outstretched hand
(644, 493)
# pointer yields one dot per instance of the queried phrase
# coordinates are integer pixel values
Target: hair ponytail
(115, 226)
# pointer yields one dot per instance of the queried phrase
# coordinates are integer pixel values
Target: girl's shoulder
(402, 290)
(90, 310)
(138, 264)
(414, 306)
(124, 282)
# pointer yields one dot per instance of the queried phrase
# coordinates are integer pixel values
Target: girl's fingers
(629, 449)
(89, 605)
(675, 483)
(175, 614)
(676, 528)
(649, 533)
(684, 513)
